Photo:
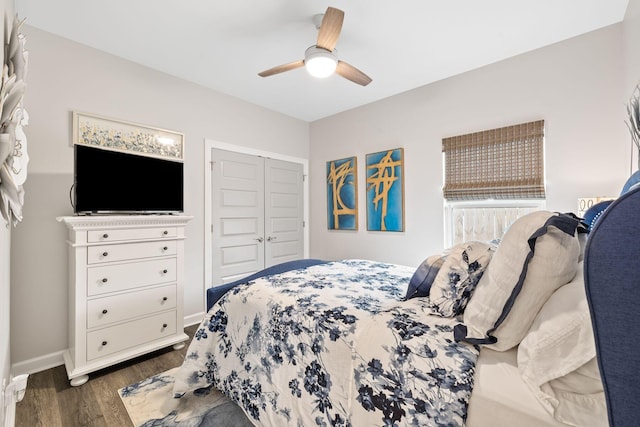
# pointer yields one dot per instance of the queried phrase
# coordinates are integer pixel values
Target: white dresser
(126, 279)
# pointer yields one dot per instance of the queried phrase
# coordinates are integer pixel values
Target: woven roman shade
(504, 163)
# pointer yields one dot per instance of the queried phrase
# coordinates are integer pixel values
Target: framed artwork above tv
(111, 134)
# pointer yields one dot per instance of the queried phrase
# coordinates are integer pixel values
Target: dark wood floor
(50, 401)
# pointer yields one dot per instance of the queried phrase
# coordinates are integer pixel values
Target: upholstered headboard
(612, 280)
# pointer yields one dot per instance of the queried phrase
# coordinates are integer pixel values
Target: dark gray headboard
(612, 280)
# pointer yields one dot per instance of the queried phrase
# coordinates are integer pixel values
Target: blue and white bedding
(333, 344)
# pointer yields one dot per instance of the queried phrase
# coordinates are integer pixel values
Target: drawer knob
(164, 298)
(105, 236)
(105, 280)
(166, 248)
(105, 254)
(165, 232)
(165, 271)
(164, 325)
(104, 343)
(105, 311)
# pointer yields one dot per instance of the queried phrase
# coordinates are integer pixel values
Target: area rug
(151, 403)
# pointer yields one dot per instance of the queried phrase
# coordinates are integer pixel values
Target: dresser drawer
(109, 253)
(111, 340)
(117, 235)
(107, 310)
(119, 277)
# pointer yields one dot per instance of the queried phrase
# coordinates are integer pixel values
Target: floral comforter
(332, 344)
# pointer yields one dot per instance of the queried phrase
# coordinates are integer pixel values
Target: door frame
(209, 145)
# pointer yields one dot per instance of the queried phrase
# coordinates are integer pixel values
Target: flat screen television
(116, 182)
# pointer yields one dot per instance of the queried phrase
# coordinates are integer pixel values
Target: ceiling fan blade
(282, 68)
(330, 28)
(350, 72)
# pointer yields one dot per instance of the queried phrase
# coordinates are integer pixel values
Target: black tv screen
(112, 182)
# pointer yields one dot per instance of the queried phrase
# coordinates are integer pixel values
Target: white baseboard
(51, 360)
(37, 364)
(193, 319)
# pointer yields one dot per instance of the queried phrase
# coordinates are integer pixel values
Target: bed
(483, 334)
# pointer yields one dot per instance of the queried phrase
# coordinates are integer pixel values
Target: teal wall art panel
(385, 190)
(342, 194)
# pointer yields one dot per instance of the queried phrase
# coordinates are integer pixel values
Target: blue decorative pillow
(457, 279)
(592, 215)
(632, 182)
(421, 281)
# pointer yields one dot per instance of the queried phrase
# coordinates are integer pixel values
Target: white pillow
(557, 358)
(538, 254)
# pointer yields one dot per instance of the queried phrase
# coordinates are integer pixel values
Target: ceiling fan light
(320, 62)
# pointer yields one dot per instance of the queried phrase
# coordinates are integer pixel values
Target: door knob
(270, 238)
(260, 239)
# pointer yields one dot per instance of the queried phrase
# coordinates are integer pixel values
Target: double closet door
(257, 214)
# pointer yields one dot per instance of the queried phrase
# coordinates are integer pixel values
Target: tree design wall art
(342, 194)
(385, 190)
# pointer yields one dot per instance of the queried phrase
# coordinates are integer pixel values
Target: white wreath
(13, 116)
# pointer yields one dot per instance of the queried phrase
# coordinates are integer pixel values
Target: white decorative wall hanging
(118, 135)
(13, 117)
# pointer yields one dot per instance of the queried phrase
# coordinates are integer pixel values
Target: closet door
(284, 210)
(257, 209)
(237, 215)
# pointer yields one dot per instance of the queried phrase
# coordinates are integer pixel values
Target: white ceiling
(401, 44)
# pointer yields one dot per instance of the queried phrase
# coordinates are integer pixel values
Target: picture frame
(112, 134)
(385, 190)
(342, 194)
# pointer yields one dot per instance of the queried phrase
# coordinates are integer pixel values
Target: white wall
(66, 76)
(5, 347)
(631, 31)
(5, 239)
(575, 86)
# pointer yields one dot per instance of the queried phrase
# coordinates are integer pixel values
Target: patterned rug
(150, 403)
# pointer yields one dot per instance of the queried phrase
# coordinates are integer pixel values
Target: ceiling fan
(321, 59)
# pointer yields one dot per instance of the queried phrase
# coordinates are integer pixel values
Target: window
(492, 178)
